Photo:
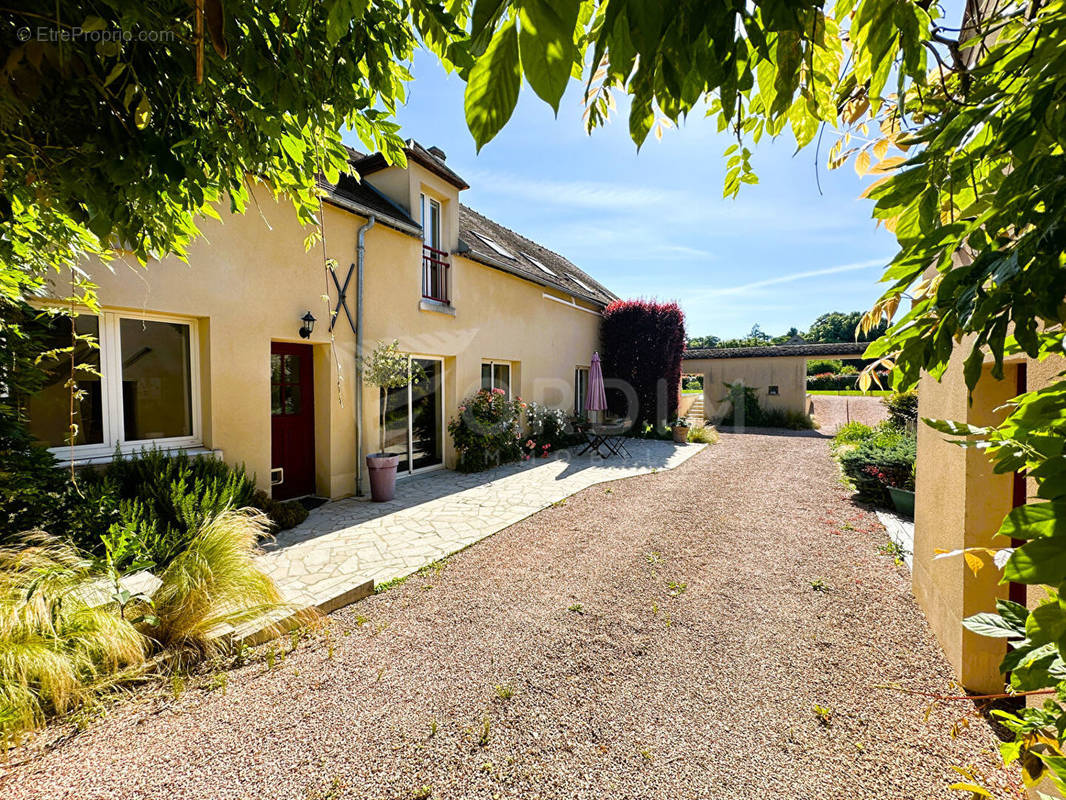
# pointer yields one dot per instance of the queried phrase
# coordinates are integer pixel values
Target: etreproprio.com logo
(49, 33)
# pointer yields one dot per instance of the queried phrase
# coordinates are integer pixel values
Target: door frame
(309, 350)
(407, 471)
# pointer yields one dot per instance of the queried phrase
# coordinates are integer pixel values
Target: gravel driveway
(831, 411)
(666, 636)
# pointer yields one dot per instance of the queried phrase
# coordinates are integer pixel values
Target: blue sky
(654, 223)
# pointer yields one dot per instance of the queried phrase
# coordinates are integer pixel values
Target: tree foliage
(962, 123)
(122, 122)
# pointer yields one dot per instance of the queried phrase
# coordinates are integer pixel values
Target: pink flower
(462, 408)
(497, 391)
(531, 443)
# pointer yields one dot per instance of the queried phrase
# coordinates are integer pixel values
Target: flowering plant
(486, 431)
(549, 430)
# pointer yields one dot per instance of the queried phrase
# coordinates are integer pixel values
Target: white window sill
(88, 460)
(435, 306)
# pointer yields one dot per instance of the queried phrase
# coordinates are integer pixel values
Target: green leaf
(340, 18)
(955, 428)
(546, 45)
(1014, 614)
(1035, 520)
(492, 89)
(143, 113)
(993, 625)
(1042, 560)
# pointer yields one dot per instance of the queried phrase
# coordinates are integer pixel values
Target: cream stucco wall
(248, 281)
(960, 502)
(788, 373)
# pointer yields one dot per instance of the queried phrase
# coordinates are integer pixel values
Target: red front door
(292, 414)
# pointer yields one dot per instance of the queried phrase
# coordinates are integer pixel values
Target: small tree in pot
(388, 368)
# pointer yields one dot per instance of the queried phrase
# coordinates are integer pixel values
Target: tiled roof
(352, 193)
(368, 165)
(520, 256)
(820, 349)
(525, 258)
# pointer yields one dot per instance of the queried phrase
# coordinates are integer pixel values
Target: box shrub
(884, 459)
(902, 408)
(823, 366)
(641, 343)
(486, 432)
(831, 381)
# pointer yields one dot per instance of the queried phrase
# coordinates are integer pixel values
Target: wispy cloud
(582, 194)
(795, 276)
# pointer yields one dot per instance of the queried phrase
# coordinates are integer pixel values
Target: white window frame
(579, 399)
(405, 467)
(110, 343)
(492, 374)
(427, 204)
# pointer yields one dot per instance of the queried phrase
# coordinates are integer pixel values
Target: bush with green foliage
(902, 408)
(703, 434)
(852, 433)
(70, 630)
(824, 366)
(883, 458)
(548, 430)
(486, 431)
(831, 381)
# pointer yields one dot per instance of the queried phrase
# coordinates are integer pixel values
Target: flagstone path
(346, 547)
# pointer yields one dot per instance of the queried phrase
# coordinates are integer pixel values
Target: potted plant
(900, 487)
(388, 368)
(680, 426)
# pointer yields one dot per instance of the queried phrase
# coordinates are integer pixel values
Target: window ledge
(435, 306)
(85, 461)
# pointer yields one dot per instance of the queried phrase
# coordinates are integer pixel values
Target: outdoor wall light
(308, 320)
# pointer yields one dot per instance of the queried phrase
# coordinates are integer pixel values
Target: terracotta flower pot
(681, 433)
(382, 469)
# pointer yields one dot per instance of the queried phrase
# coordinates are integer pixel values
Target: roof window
(539, 266)
(499, 250)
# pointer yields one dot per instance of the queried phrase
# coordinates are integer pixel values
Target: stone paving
(331, 558)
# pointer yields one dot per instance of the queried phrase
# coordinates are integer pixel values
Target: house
(778, 372)
(249, 349)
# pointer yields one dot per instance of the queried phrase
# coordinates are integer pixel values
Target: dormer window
(434, 257)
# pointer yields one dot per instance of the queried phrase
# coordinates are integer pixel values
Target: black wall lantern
(308, 325)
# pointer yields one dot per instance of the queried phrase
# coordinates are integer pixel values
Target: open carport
(778, 372)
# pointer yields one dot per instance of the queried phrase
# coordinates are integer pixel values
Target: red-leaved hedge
(641, 343)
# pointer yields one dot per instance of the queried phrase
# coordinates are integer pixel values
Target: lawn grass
(851, 392)
(692, 391)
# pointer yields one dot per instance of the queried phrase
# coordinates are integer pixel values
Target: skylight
(582, 284)
(538, 265)
(501, 251)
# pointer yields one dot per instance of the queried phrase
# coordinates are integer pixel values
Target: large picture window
(136, 384)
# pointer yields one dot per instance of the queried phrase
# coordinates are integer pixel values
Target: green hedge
(885, 456)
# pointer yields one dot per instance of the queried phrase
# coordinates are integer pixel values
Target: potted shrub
(896, 483)
(388, 368)
(680, 426)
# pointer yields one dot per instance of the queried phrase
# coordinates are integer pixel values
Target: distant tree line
(835, 326)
